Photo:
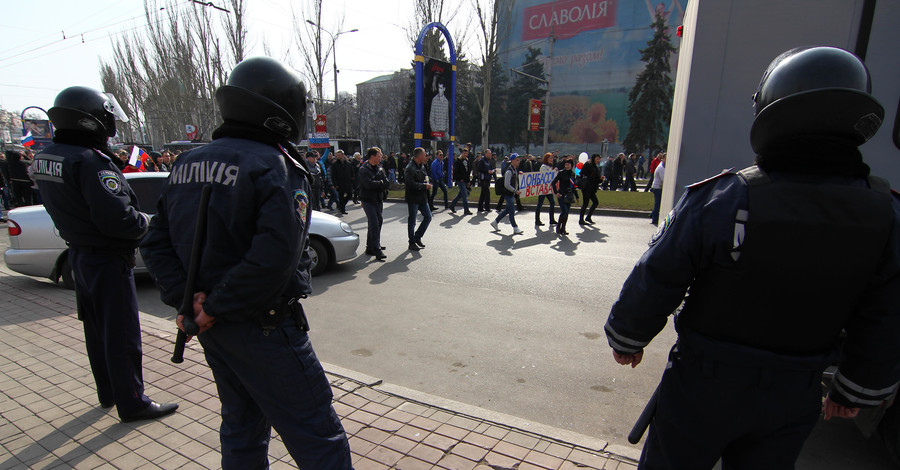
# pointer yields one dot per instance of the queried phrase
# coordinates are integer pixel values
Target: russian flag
(27, 140)
(138, 158)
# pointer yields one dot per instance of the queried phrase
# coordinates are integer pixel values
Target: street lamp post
(333, 52)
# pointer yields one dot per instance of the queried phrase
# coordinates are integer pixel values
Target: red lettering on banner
(567, 18)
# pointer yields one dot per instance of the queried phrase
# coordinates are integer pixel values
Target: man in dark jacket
(342, 178)
(417, 187)
(461, 177)
(768, 296)
(485, 169)
(254, 271)
(373, 185)
(96, 213)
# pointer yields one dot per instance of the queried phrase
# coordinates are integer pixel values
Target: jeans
(657, 197)
(463, 194)
(438, 183)
(375, 220)
(510, 209)
(540, 202)
(416, 235)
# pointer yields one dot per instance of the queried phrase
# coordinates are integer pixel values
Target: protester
(546, 165)
(461, 177)
(416, 194)
(564, 188)
(484, 167)
(438, 180)
(315, 181)
(342, 177)
(19, 181)
(658, 176)
(374, 185)
(510, 190)
(590, 177)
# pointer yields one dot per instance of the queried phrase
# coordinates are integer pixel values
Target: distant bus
(349, 146)
(183, 145)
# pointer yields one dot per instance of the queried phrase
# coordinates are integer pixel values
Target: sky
(48, 45)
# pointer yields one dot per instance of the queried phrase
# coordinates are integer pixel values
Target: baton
(643, 421)
(187, 302)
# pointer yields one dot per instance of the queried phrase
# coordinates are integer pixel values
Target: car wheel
(318, 252)
(68, 275)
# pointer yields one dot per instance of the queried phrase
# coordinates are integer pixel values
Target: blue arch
(420, 77)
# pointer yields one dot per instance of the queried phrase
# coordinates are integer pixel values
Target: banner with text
(536, 183)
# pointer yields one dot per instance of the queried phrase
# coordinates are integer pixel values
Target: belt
(286, 307)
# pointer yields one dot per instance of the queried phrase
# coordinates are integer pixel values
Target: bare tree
(236, 29)
(315, 49)
(166, 77)
(491, 14)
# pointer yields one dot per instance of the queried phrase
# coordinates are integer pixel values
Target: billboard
(41, 132)
(596, 58)
(436, 100)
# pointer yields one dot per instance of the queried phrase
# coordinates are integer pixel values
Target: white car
(36, 249)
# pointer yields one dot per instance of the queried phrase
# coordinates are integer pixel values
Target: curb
(159, 328)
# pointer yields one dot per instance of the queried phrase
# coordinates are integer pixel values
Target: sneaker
(418, 241)
(495, 225)
(518, 231)
(414, 247)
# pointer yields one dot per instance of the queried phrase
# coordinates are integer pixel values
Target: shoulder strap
(754, 176)
(879, 184)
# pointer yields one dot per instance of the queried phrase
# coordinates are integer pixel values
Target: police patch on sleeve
(663, 227)
(301, 201)
(110, 181)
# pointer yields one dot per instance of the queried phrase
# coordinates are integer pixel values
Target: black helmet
(263, 92)
(815, 91)
(79, 108)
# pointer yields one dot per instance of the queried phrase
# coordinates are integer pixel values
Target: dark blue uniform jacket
(88, 198)
(791, 299)
(257, 228)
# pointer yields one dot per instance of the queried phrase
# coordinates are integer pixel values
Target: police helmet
(814, 91)
(262, 92)
(84, 109)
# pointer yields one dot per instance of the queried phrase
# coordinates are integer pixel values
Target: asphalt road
(510, 324)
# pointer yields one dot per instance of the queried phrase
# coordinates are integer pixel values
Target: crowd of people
(339, 179)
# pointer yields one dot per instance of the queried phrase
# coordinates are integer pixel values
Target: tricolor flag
(138, 158)
(27, 140)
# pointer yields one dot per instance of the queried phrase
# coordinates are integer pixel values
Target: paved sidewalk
(50, 419)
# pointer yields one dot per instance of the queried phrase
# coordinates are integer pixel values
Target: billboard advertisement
(436, 100)
(596, 58)
(40, 131)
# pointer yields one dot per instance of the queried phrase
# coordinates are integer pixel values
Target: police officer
(254, 270)
(97, 213)
(778, 258)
